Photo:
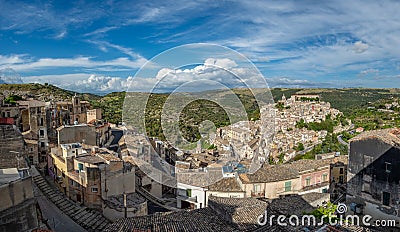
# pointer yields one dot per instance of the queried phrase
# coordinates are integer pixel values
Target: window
(95, 189)
(257, 188)
(189, 192)
(341, 170)
(41, 133)
(8, 115)
(341, 179)
(386, 198)
(80, 166)
(41, 144)
(41, 121)
(324, 177)
(288, 186)
(308, 181)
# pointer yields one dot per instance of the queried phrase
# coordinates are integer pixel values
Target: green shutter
(288, 186)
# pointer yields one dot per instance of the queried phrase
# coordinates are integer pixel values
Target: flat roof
(90, 159)
(8, 175)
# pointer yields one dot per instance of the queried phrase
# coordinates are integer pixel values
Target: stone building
(93, 114)
(374, 174)
(102, 130)
(96, 178)
(76, 108)
(225, 214)
(80, 133)
(299, 177)
(338, 183)
(17, 204)
(35, 128)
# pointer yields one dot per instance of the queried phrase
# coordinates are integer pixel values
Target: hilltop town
(62, 153)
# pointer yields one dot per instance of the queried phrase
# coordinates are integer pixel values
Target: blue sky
(98, 47)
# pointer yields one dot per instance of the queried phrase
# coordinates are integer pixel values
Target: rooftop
(226, 185)
(203, 219)
(272, 173)
(223, 214)
(70, 126)
(32, 103)
(90, 159)
(8, 175)
(242, 212)
(295, 204)
(107, 156)
(269, 173)
(132, 200)
(390, 136)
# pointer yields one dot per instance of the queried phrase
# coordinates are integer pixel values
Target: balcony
(315, 186)
(258, 193)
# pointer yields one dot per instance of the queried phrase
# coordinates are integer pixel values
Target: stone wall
(22, 217)
(76, 134)
(15, 193)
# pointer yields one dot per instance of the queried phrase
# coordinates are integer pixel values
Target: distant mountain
(44, 92)
(9, 76)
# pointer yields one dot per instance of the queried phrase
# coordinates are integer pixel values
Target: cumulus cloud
(103, 84)
(223, 63)
(212, 74)
(360, 47)
(9, 76)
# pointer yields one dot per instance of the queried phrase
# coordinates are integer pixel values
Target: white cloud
(9, 76)
(369, 71)
(100, 31)
(61, 35)
(20, 63)
(212, 74)
(223, 63)
(58, 80)
(297, 39)
(278, 82)
(360, 47)
(11, 59)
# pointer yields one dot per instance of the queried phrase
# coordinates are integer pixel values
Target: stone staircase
(89, 219)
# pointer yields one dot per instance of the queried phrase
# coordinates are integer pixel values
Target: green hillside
(362, 106)
(44, 92)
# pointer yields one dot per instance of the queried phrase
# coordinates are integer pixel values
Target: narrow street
(54, 204)
(57, 220)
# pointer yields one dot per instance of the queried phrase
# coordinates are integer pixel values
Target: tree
(12, 99)
(300, 147)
